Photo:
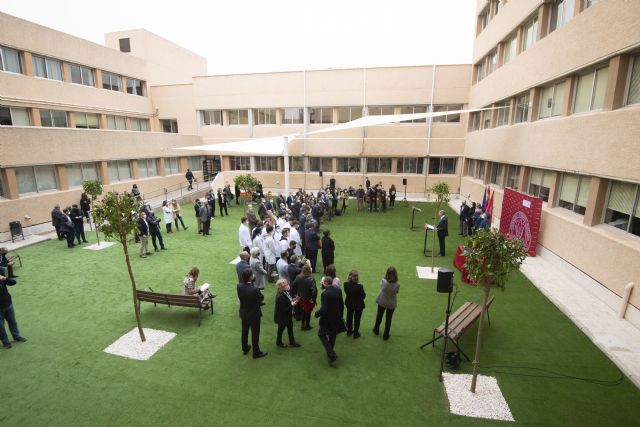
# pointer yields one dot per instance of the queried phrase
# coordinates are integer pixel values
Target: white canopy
(272, 146)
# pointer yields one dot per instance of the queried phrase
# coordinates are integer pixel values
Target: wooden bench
(15, 256)
(459, 322)
(173, 300)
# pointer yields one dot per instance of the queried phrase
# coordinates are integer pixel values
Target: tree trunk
(433, 240)
(96, 225)
(136, 307)
(476, 358)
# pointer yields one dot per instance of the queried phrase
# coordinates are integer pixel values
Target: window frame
(440, 170)
(134, 86)
(350, 110)
(411, 109)
(635, 207)
(212, 115)
(293, 121)
(418, 168)
(634, 66)
(147, 161)
(52, 119)
(239, 115)
(82, 70)
(573, 205)
(528, 40)
(554, 101)
(503, 114)
(448, 118)
(322, 163)
(540, 185)
(4, 63)
(380, 110)
(169, 162)
(325, 113)
(594, 89)
(46, 61)
(522, 113)
(86, 120)
(266, 163)
(173, 125)
(259, 115)
(117, 164)
(34, 173)
(348, 161)
(237, 163)
(113, 77)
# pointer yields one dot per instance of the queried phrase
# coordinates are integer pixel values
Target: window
(475, 120)
(139, 124)
(194, 163)
(574, 192)
(633, 96)
(503, 113)
(54, 118)
(513, 177)
(449, 118)
(496, 7)
(171, 166)
(414, 109)
(147, 168)
(296, 164)
(320, 115)
(380, 110)
(111, 81)
(135, 87)
(81, 75)
(238, 117)
(324, 164)
(529, 34)
(623, 207)
(480, 169)
(551, 101)
(410, 165)
(119, 170)
(14, 116)
(348, 164)
(469, 167)
(522, 108)
(264, 116)
(125, 44)
(480, 71)
(293, 116)
(10, 60)
(347, 114)
(442, 165)
(1, 188)
(87, 121)
(169, 125)
(589, 3)
(47, 68)
(540, 183)
(493, 62)
(240, 163)
(590, 90)
(116, 123)
(510, 49)
(561, 13)
(496, 174)
(77, 173)
(484, 19)
(211, 117)
(34, 179)
(266, 163)
(486, 119)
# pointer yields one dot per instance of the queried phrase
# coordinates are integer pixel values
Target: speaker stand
(404, 199)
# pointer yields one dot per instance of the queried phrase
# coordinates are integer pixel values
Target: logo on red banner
(520, 218)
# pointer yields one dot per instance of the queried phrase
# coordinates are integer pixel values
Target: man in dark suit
(205, 217)
(7, 313)
(443, 230)
(331, 319)
(242, 265)
(250, 298)
(464, 213)
(155, 231)
(143, 231)
(56, 220)
(77, 216)
(66, 227)
(311, 241)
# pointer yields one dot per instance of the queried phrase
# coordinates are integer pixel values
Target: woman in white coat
(168, 215)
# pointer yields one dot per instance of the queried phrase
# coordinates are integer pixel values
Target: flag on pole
(484, 198)
(489, 208)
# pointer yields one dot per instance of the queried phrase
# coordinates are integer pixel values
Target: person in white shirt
(294, 236)
(271, 252)
(244, 236)
(258, 242)
(284, 240)
(168, 215)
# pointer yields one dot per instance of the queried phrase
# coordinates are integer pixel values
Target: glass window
(147, 168)
(348, 114)
(574, 192)
(469, 167)
(540, 183)
(36, 179)
(414, 109)
(77, 173)
(211, 117)
(496, 7)
(14, 116)
(116, 123)
(480, 70)
(81, 75)
(348, 164)
(320, 115)
(522, 109)
(510, 47)
(484, 19)
(5, 116)
(135, 87)
(475, 120)
(561, 13)
(513, 177)
(449, 118)
(590, 88)
(623, 208)
(442, 165)
(238, 117)
(171, 166)
(529, 34)
(264, 163)
(496, 174)
(380, 110)
(194, 163)
(1, 188)
(323, 164)
(486, 119)
(264, 116)
(293, 116)
(54, 118)
(169, 125)
(551, 101)
(503, 113)
(378, 165)
(119, 170)
(87, 121)
(240, 163)
(111, 81)
(410, 165)
(47, 68)
(589, 3)
(10, 60)
(633, 96)
(296, 164)
(139, 124)
(480, 169)
(493, 62)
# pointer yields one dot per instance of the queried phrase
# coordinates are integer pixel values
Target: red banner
(520, 218)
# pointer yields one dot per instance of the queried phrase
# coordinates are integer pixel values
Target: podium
(427, 227)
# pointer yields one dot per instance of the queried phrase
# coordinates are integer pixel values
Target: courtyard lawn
(72, 304)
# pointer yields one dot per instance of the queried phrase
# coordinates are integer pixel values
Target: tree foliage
(247, 182)
(92, 187)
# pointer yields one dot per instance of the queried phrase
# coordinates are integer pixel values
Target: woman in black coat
(354, 302)
(307, 291)
(283, 313)
(328, 249)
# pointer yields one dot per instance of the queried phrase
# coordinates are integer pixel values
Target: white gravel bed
(130, 346)
(486, 402)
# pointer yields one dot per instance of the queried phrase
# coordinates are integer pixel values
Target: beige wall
(176, 102)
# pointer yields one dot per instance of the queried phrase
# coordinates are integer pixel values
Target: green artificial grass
(72, 303)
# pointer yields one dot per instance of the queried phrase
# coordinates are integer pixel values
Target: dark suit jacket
(143, 226)
(311, 239)
(240, 267)
(250, 298)
(443, 226)
(66, 224)
(330, 313)
(283, 310)
(355, 295)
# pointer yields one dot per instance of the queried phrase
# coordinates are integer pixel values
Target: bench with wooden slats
(173, 300)
(12, 258)
(460, 321)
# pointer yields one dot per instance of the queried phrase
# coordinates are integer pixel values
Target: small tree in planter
(118, 216)
(93, 188)
(247, 183)
(441, 191)
(490, 261)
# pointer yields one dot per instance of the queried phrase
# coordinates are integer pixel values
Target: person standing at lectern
(443, 230)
